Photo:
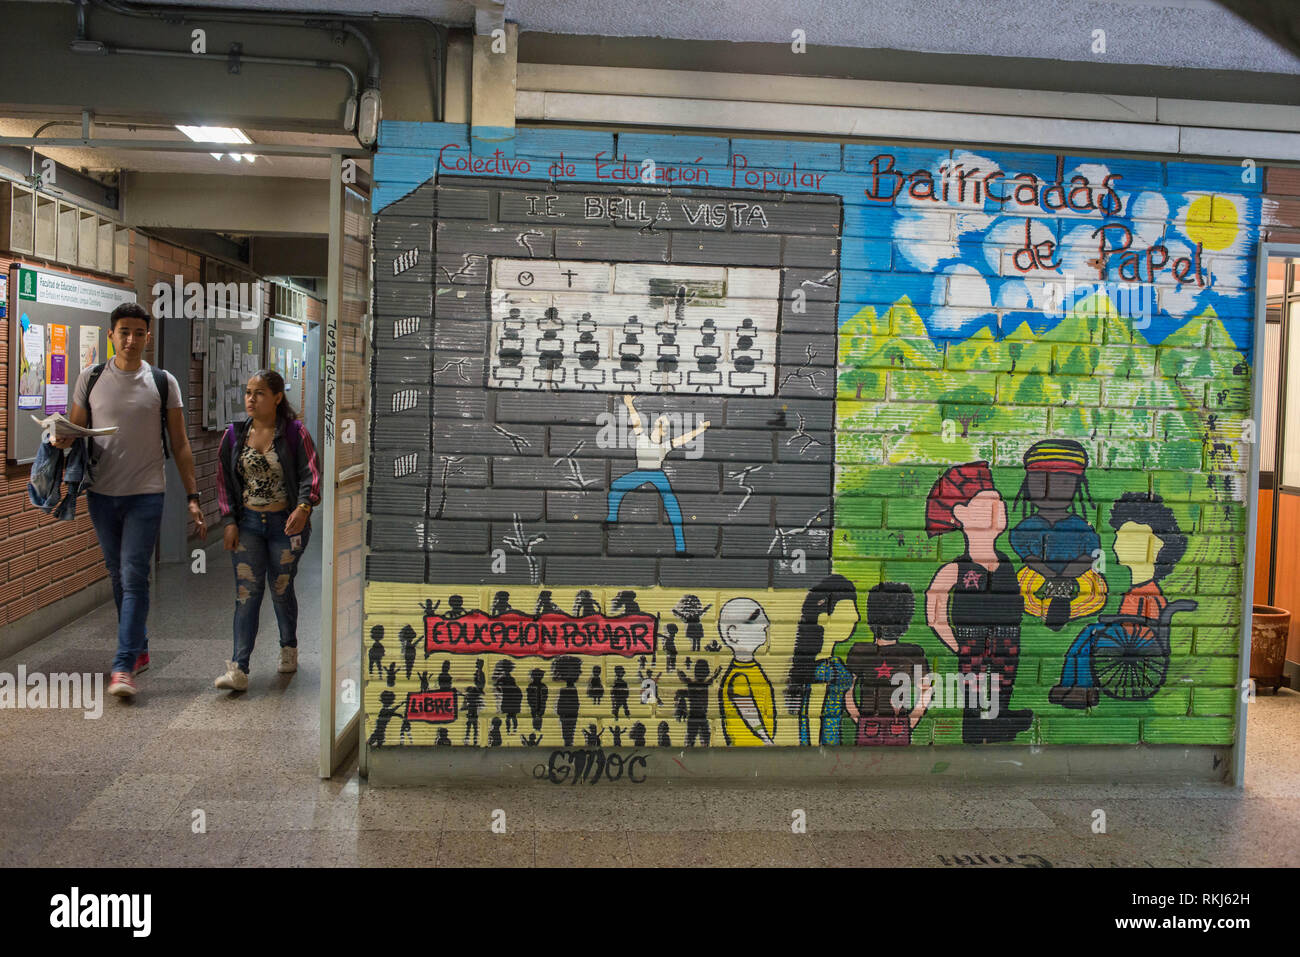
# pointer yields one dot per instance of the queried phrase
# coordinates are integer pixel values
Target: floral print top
(263, 477)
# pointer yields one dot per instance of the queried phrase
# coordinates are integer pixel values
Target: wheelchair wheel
(1129, 667)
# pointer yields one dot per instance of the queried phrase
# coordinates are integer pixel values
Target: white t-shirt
(131, 460)
(651, 454)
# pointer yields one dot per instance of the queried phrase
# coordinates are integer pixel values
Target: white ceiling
(109, 160)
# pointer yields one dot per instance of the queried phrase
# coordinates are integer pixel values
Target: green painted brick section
(1216, 549)
(1231, 396)
(1200, 363)
(1034, 389)
(1218, 641)
(1214, 701)
(859, 448)
(1169, 701)
(1142, 454)
(1073, 360)
(1090, 730)
(888, 352)
(997, 420)
(933, 450)
(855, 416)
(1187, 730)
(888, 482)
(1181, 425)
(967, 388)
(860, 384)
(1111, 484)
(1214, 610)
(860, 511)
(1202, 670)
(1076, 421)
(1142, 393)
(978, 356)
(884, 544)
(1125, 362)
(916, 575)
(1030, 356)
(1181, 581)
(859, 571)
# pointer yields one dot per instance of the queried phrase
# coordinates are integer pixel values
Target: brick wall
(1007, 324)
(43, 560)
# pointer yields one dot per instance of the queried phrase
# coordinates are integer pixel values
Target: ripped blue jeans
(265, 552)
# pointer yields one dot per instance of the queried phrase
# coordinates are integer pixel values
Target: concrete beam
(289, 255)
(492, 108)
(227, 204)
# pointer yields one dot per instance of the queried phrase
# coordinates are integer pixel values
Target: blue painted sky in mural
(974, 239)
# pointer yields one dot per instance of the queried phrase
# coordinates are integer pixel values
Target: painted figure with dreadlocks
(1056, 543)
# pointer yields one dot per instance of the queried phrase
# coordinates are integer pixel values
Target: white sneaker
(233, 679)
(288, 661)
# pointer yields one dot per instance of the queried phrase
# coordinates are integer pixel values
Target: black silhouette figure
(407, 637)
(405, 734)
(531, 741)
(637, 735)
(707, 353)
(584, 604)
(424, 680)
(509, 698)
(480, 679)
(595, 689)
(690, 611)
(550, 350)
(456, 607)
(626, 600)
(430, 607)
(442, 738)
(391, 675)
(537, 694)
(592, 735)
(670, 645)
(510, 352)
(501, 603)
(744, 342)
(713, 646)
(386, 713)
(667, 333)
(697, 695)
(494, 734)
(376, 651)
(631, 349)
(473, 698)
(617, 732)
(545, 606)
(567, 670)
(664, 740)
(587, 348)
(681, 708)
(618, 694)
(444, 677)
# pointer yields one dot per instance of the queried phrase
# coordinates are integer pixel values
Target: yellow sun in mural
(1212, 222)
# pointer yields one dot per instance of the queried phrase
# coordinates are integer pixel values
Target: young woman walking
(269, 483)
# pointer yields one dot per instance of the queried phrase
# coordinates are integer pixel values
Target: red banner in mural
(434, 706)
(546, 636)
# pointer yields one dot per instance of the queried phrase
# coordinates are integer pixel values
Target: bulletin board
(234, 353)
(58, 327)
(285, 354)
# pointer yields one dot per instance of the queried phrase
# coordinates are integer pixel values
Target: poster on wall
(56, 385)
(89, 347)
(31, 376)
(4, 295)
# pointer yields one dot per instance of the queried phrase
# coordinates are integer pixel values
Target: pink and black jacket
(293, 447)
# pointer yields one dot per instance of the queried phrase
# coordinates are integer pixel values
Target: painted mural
(692, 442)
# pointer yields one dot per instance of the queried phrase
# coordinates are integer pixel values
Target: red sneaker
(121, 684)
(141, 664)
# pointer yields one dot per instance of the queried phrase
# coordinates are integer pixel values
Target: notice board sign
(58, 327)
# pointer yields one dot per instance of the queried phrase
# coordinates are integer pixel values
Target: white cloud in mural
(1217, 223)
(967, 295)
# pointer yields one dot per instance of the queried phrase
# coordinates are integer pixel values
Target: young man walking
(126, 499)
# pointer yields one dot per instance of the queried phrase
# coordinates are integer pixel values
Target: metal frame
(176, 146)
(1266, 250)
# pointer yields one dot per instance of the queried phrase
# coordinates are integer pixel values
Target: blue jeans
(659, 479)
(1077, 672)
(265, 551)
(127, 528)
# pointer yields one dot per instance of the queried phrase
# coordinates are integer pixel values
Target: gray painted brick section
(622, 244)
(726, 249)
(403, 334)
(395, 567)
(463, 203)
(422, 201)
(492, 480)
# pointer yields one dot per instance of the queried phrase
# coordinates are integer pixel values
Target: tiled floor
(189, 775)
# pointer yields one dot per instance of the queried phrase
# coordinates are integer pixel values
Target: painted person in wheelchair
(1149, 543)
(1056, 543)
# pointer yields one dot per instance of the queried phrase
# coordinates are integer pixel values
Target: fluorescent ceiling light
(219, 134)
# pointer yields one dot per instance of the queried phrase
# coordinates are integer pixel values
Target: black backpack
(159, 381)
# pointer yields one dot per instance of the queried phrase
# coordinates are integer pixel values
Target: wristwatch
(194, 497)
(306, 506)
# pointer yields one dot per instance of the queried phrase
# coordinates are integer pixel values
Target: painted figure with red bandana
(974, 604)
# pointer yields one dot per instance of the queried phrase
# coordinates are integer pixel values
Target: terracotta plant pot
(1268, 633)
